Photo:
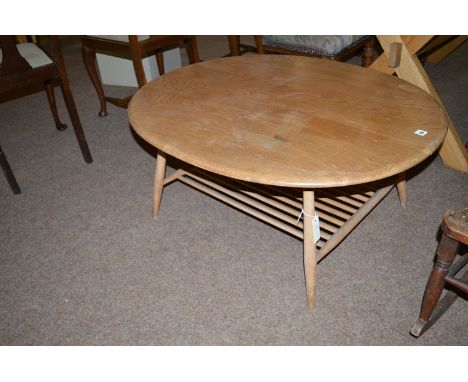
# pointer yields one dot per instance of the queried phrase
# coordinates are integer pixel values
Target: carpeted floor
(83, 263)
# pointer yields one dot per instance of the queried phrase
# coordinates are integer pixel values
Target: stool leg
(158, 181)
(310, 251)
(368, 54)
(435, 285)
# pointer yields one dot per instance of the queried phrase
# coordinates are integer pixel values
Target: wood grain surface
(288, 120)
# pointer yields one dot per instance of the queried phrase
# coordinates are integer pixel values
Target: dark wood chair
(26, 66)
(340, 48)
(135, 48)
(454, 232)
(9, 173)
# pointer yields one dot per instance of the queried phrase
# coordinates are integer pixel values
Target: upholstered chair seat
(332, 47)
(329, 46)
(121, 38)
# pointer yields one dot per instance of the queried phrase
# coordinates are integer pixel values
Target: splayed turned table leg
(158, 181)
(401, 187)
(310, 252)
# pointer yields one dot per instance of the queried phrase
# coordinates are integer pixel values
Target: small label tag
(316, 228)
(422, 133)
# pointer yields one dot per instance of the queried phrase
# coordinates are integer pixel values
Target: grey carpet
(83, 263)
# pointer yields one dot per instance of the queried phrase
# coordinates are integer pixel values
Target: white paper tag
(316, 228)
(422, 133)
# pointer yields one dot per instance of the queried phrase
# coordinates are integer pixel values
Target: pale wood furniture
(440, 47)
(452, 151)
(454, 232)
(285, 137)
(134, 48)
(26, 66)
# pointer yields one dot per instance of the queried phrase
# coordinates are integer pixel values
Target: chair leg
(89, 59)
(75, 119)
(234, 45)
(435, 285)
(9, 173)
(368, 54)
(160, 62)
(139, 71)
(53, 106)
(259, 44)
(192, 48)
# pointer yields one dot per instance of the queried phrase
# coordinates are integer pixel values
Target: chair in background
(135, 48)
(27, 66)
(454, 232)
(340, 48)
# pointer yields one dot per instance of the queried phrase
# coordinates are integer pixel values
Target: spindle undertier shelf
(339, 209)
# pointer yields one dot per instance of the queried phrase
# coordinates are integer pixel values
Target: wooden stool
(455, 230)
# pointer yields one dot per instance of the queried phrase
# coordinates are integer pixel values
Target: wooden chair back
(16, 72)
(12, 61)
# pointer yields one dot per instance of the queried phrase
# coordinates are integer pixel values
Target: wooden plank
(338, 237)
(394, 56)
(443, 52)
(174, 176)
(282, 205)
(334, 202)
(452, 151)
(250, 200)
(237, 195)
(241, 206)
(412, 43)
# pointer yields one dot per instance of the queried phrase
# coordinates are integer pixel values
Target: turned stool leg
(310, 255)
(368, 54)
(159, 181)
(435, 285)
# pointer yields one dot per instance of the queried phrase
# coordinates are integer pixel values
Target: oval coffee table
(287, 138)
